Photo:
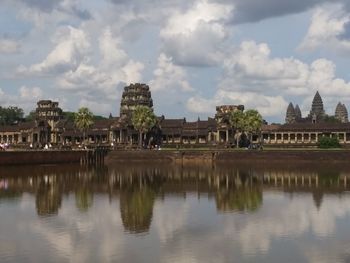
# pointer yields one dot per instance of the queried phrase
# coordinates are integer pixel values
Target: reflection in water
(241, 199)
(239, 189)
(48, 197)
(246, 207)
(83, 198)
(136, 209)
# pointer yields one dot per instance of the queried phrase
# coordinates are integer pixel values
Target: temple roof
(307, 127)
(317, 98)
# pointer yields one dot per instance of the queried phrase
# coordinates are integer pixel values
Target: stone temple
(317, 113)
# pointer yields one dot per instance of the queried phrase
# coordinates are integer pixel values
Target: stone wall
(248, 156)
(40, 157)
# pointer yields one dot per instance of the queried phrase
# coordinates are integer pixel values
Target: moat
(284, 212)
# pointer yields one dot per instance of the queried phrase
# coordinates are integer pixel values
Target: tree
(143, 119)
(31, 116)
(69, 115)
(328, 142)
(10, 115)
(252, 122)
(236, 119)
(249, 121)
(83, 119)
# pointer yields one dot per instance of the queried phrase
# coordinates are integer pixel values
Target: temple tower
(341, 113)
(297, 112)
(290, 114)
(134, 95)
(317, 110)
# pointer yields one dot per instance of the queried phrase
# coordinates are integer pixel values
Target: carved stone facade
(290, 114)
(317, 112)
(341, 113)
(134, 95)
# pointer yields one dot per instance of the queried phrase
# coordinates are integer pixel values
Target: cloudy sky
(193, 54)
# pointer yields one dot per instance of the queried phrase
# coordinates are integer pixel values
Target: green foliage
(69, 115)
(10, 115)
(249, 121)
(83, 120)
(331, 119)
(236, 119)
(31, 116)
(143, 119)
(328, 142)
(253, 121)
(98, 118)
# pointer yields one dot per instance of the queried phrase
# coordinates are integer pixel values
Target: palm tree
(236, 119)
(143, 119)
(253, 122)
(83, 120)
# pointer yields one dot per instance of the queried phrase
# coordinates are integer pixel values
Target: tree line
(13, 115)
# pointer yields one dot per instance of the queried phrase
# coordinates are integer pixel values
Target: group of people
(37, 146)
(4, 146)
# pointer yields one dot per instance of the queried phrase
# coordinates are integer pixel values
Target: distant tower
(317, 110)
(297, 112)
(134, 95)
(290, 114)
(341, 113)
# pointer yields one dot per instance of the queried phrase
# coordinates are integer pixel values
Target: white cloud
(96, 106)
(30, 93)
(112, 67)
(196, 37)
(9, 46)
(328, 24)
(103, 73)
(112, 54)
(71, 47)
(26, 97)
(253, 78)
(169, 76)
(266, 105)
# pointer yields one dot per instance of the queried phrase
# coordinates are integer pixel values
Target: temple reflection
(233, 189)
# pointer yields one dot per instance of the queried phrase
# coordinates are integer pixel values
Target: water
(139, 213)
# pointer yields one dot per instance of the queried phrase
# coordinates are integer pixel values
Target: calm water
(135, 213)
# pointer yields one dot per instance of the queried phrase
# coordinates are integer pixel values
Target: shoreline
(175, 156)
(229, 156)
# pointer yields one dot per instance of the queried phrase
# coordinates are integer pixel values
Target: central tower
(317, 110)
(134, 95)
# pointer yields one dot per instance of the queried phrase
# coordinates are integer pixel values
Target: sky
(194, 55)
